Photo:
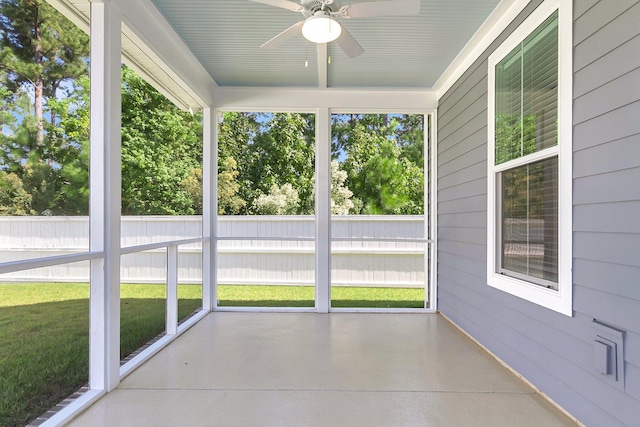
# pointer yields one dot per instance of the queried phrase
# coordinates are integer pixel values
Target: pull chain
(306, 55)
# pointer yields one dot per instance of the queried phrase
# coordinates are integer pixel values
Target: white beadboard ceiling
(400, 52)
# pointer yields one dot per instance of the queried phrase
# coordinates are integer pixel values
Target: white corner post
(323, 210)
(323, 56)
(209, 207)
(433, 211)
(105, 195)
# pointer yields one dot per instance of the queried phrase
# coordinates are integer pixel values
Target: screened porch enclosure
(268, 210)
(351, 282)
(187, 270)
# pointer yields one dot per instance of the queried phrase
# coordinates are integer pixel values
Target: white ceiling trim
(343, 100)
(182, 79)
(494, 25)
(173, 55)
(72, 13)
(141, 59)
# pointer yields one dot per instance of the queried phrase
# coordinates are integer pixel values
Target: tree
(44, 147)
(228, 200)
(14, 199)
(341, 202)
(59, 186)
(42, 49)
(381, 184)
(282, 152)
(43, 58)
(69, 136)
(161, 145)
(383, 157)
(235, 190)
(280, 200)
(17, 134)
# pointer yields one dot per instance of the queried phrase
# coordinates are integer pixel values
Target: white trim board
(339, 100)
(493, 26)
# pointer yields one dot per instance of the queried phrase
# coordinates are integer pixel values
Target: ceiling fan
(321, 20)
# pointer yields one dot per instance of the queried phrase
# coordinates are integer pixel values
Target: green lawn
(303, 296)
(44, 339)
(44, 330)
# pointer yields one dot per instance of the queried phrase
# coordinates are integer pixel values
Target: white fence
(251, 249)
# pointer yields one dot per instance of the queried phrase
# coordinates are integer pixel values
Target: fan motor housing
(312, 6)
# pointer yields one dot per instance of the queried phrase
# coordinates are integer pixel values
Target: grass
(142, 312)
(44, 330)
(303, 296)
(44, 339)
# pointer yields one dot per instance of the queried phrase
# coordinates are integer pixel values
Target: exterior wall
(263, 262)
(551, 350)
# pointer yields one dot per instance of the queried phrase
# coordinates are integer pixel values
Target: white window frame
(558, 300)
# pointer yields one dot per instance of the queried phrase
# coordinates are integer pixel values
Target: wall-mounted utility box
(608, 353)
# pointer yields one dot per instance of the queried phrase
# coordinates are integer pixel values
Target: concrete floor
(282, 369)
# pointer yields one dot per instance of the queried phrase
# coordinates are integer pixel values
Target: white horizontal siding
(553, 351)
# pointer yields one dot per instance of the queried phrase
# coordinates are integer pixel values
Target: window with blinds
(529, 159)
(526, 95)
(529, 222)
(526, 119)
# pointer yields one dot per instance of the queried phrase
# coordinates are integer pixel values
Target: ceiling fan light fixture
(321, 28)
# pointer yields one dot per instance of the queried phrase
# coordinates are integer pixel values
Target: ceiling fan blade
(287, 34)
(284, 4)
(381, 8)
(349, 44)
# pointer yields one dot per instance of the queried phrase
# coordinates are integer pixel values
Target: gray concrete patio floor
(338, 369)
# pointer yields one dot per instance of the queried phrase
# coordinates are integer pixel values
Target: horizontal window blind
(530, 221)
(526, 97)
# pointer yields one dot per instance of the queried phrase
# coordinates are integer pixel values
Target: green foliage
(18, 136)
(383, 158)
(515, 137)
(14, 199)
(55, 175)
(525, 188)
(39, 49)
(280, 200)
(234, 134)
(70, 138)
(38, 43)
(268, 151)
(341, 202)
(379, 182)
(192, 184)
(283, 152)
(44, 60)
(229, 202)
(161, 145)
(41, 180)
(45, 163)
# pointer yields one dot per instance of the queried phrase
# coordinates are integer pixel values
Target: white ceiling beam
(322, 65)
(343, 100)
